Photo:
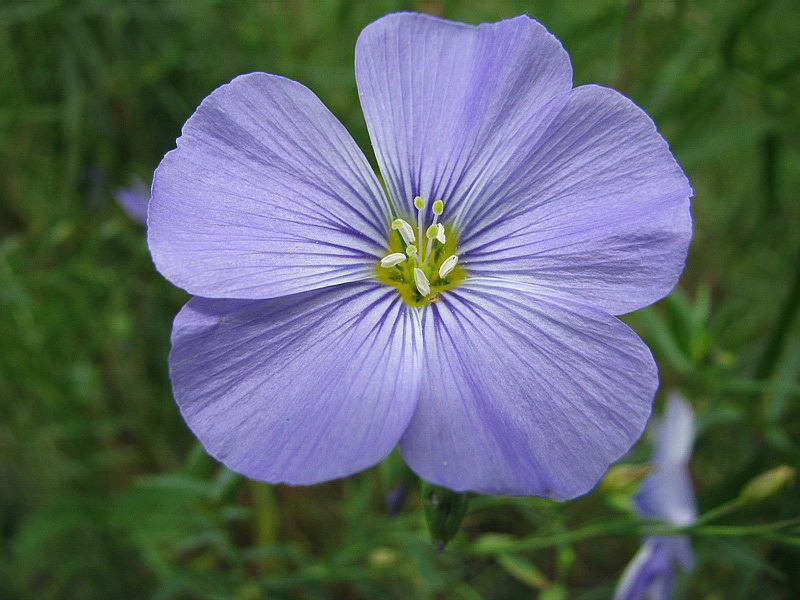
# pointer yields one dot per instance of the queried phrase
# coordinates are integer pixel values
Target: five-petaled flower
(466, 311)
(666, 495)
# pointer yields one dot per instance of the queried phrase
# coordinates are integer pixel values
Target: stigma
(422, 260)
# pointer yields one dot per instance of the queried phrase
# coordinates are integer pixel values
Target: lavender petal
(652, 572)
(525, 392)
(134, 198)
(591, 203)
(442, 100)
(666, 494)
(298, 389)
(265, 195)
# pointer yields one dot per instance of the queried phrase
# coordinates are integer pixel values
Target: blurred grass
(103, 492)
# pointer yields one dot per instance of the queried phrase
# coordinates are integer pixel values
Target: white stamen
(434, 232)
(423, 286)
(393, 259)
(419, 246)
(448, 265)
(405, 230)
(440, 233)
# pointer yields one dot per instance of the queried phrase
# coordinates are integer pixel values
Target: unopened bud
(444, 510)
(621, 478)
(767, 484)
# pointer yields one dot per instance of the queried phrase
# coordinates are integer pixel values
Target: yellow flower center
(421, 263)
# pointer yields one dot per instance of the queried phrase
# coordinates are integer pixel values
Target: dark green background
(105, 494)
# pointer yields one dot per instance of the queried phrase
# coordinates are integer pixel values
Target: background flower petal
(298, 389)
(674, 436)
(525, 393)
(443, 99)
(641, 575)
(591, 202)
(134, 198)
(651, 574)
(266, 194)
(666, 493)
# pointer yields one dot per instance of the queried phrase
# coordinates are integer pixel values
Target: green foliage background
(105, 494)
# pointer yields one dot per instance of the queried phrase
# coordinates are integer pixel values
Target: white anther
(438, 207)
(448, 265)
(436, 231)
(391, 260)
(405, 230)
(440, 233)
(423, 286)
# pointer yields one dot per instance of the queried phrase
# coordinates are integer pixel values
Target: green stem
(745, 530)
(718, 511)
(623, 527)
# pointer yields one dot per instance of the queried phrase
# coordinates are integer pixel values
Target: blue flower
(467, 311)
(666, 495)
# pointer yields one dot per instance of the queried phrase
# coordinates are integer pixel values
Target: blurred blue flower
(666, 495)
(134, 199)
(468, 315)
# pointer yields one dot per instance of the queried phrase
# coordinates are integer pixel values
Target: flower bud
(621, 478)
(444, 510)
(766, 484)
